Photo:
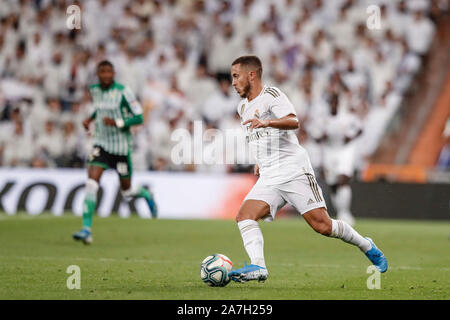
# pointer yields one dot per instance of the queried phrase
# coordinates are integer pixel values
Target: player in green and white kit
(115, 111)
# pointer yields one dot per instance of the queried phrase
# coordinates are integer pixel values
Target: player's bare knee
(95, 172)
(246, 215)
(252, 211)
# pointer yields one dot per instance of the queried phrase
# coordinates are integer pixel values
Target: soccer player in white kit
(338, 130)
(284, 169)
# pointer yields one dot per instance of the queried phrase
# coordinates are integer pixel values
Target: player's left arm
(284, 112)
(124, 123)
(289, 122)
(133, 106)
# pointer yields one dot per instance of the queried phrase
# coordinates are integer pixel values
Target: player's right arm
(87, 121)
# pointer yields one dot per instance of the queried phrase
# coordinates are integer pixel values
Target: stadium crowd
(176, 56)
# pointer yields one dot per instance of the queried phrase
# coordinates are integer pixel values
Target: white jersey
(277, 152)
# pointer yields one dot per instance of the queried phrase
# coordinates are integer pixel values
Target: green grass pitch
(160, 259)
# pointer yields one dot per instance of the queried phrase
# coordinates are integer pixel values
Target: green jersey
(119, 103)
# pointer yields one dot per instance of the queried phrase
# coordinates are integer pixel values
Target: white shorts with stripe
(303, 193)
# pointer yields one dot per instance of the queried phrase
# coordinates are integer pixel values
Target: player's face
(105, 75)
(241, 81)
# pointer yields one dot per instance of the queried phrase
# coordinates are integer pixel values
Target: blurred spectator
(221, 104)
(408, 65)
(70, 148)
(50, 143)
(175, 56)
(381, 72)
(57, 76)
(18, 151)
(223, 49)
(265, 42)
(200, 86)
(420, 33)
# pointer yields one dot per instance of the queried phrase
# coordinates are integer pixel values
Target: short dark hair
(250, 61)
(104, 63)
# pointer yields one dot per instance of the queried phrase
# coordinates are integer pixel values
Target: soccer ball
(214, 270)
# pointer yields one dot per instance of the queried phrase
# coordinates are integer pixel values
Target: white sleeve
(281, 106)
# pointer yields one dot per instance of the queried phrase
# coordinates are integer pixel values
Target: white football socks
(253, 241)
(346, 233)
(91, 189)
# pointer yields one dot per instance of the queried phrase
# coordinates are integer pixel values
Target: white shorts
(303, 193)
(339, 161)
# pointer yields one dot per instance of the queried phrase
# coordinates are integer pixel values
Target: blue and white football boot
(377, 257)
(83, 235)
(249, 272)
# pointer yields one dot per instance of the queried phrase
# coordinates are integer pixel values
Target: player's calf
(319, 220)
(252, 210)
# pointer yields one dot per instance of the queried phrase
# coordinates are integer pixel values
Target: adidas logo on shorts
(310, 201)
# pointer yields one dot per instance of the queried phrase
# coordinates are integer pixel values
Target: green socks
(88, 211)
(90, 202)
